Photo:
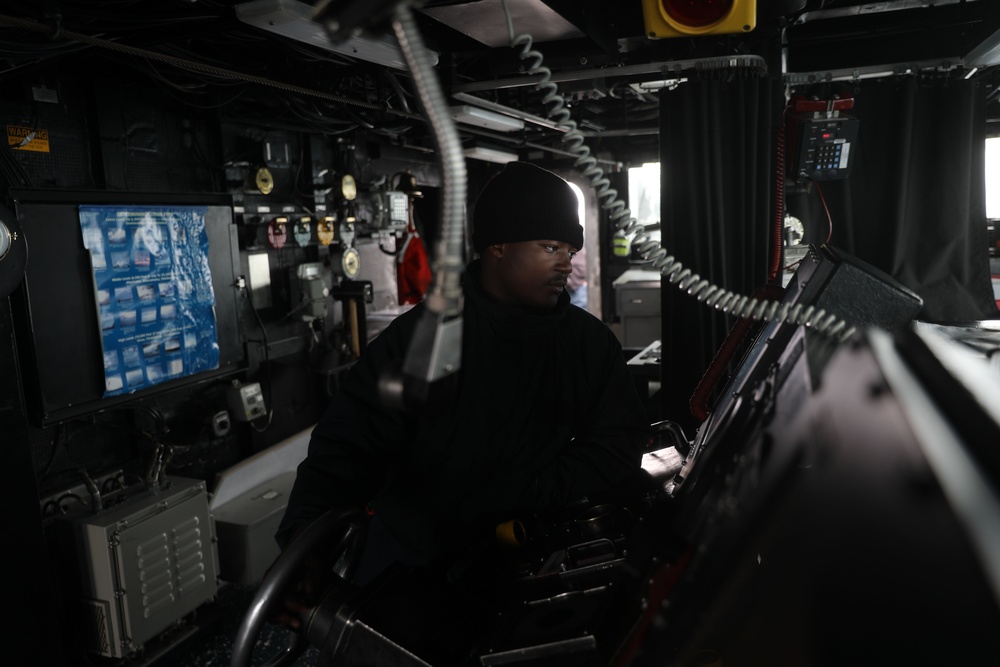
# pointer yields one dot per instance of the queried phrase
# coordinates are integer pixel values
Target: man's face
(528, 273)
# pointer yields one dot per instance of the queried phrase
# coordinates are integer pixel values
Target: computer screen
(124, 295)
(857, 293)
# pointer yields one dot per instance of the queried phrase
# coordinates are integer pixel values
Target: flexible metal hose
(649, 248)
(444, 296)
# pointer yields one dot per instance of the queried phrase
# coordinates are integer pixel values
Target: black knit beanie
(526, 203)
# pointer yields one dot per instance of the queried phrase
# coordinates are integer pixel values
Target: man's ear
(496, 250)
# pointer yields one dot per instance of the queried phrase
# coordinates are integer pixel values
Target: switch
(246, 402)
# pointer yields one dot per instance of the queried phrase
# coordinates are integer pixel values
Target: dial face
(348, 187)
(303, 232)
(277, 233)
(324, 232)
(351, 261)
(4, 239)
(264, 180)
(347, 233)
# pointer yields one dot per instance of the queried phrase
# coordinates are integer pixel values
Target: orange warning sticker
(22, 138)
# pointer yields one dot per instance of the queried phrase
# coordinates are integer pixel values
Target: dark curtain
(716, 156)
(914, 203)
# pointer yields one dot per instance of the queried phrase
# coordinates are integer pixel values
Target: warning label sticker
(22, 138)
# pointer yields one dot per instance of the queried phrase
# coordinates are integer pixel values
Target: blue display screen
(153, 291)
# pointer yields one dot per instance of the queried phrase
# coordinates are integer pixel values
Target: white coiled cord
(649, 248)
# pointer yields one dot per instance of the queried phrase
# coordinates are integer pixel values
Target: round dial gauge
(351, 263)
(5, 239)
(303, 232)
(264, 180)
(277, 233)
(13, 252)
(324, 231)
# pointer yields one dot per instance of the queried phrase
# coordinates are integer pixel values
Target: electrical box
(246, 526)
(143, 564)
(260, 280)
(399, 209)
(637, 298)
(246, 402)
(822, 147)
(312, 291)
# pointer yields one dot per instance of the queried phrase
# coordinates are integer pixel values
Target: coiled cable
(779, 199)
(649, 248)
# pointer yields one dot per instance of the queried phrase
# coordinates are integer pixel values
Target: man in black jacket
(545, 412)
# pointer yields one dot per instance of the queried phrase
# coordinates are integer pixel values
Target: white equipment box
(246, 526)
(144, 564)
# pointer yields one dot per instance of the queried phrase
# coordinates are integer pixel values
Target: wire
(57, 503)
(394, 82)
(300, 307)
(829, 218)
(649, 248)
(117, 479)
(57, 440)
(267, 362)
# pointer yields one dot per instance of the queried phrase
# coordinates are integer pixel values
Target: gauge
(346, 262)
(277, 233)
(303, 232)
(13, 252)
(324, 230)
(264, 180)
(348, 187)
(5, 239)
(351, 262)
(347, 233)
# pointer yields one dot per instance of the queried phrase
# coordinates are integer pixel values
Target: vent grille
(170, 565)
(189, 555)
(97, 632)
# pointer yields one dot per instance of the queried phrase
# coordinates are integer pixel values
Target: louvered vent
(189, 556)
(96, 631)
(171, 565)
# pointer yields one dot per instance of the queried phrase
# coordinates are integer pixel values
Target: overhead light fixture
(647, 86)
(293, 19)
(986, 54)
(490, 154)
(478, 19)
(507, 111)
(485, 118)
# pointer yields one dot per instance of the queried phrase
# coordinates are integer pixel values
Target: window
(581, 212)
(993, 177)
(644, 193)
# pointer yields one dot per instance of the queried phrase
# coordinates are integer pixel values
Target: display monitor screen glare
(124, 294)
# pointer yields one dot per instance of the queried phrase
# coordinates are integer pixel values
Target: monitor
(115, 304)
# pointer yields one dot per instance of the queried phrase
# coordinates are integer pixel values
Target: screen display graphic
(153, 293)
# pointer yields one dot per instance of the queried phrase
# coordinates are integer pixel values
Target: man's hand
(310, 581)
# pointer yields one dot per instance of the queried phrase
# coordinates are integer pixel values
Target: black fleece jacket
(545, 413)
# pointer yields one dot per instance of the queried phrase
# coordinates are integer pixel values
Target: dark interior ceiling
(606, 67)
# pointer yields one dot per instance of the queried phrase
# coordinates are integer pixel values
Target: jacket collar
(510, 320)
